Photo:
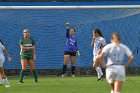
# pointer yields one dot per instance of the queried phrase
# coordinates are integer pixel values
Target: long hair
(99, 32)
(1, 42)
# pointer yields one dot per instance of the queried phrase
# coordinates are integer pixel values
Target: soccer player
(70, 50)
(115, 67)
(27, 55)
(3, 78)
(98, 42)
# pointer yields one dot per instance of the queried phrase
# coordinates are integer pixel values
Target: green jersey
(27, 43)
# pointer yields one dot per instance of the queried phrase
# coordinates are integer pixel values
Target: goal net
(47, 27)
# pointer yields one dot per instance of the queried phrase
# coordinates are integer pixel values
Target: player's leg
(96, 64)
(3, 76)
(112, 87)
(32, 67)
(1, 80)
(117, 86)
(22, 72)
(66, 60)
(120, 77)
(72, 58)
(110, 77)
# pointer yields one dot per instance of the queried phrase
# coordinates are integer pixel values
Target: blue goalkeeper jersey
(71, 42)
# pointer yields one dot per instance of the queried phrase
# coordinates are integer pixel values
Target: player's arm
(23, 47)
(78, 52)
(92, 42)
(7, 54)
(104, 52)
(68, 29)
(101, 58)
(130, 55)
(5, 51)
(131, 59)
(101, 49)
(34, 51)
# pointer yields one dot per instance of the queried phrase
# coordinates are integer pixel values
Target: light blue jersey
(115, 54)
(2, 58)
(99, 43)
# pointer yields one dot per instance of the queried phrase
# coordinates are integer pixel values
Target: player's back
(116, 54)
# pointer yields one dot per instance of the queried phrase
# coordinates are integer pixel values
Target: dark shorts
(26, 57)
(70, 53)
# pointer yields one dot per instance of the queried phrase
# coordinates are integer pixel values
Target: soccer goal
(47, 27)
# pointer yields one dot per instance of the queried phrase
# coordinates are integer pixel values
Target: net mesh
(47, 27)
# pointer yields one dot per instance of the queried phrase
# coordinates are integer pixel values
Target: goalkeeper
(70, 50)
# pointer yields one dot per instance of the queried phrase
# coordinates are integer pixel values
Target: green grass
(68, 85)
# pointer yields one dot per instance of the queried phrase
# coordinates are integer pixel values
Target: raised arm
(68, 29)
(67, 33)
(92, 42)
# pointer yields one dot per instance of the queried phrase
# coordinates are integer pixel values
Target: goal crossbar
(74, 7)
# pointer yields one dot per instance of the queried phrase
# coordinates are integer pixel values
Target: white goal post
(74, 7)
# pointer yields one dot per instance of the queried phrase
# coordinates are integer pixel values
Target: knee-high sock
(72, 69)
(64, 69)
(117, 92)
(112, 91)
(99, 72)
(6, 81)
(35, 74)
(22, 73)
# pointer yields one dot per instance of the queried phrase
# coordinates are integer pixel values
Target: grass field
(68, 85)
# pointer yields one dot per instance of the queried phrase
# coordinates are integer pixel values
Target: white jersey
(99, 43)
(2, 58)
(116, 54)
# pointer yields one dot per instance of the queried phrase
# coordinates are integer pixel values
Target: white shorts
(115, 72)
(1, 62)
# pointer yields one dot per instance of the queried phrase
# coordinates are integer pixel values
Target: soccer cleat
(73, 75)
(20, 82)
(1, 83)
(63, 75)
(101, 78)
(7, 86)
(36, 81)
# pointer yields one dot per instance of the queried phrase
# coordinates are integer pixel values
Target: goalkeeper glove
(68, 25)
(78, 53)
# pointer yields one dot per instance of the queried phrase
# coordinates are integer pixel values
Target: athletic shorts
(26, 57)
(115, 72)
(2, 62)
(70, 53)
